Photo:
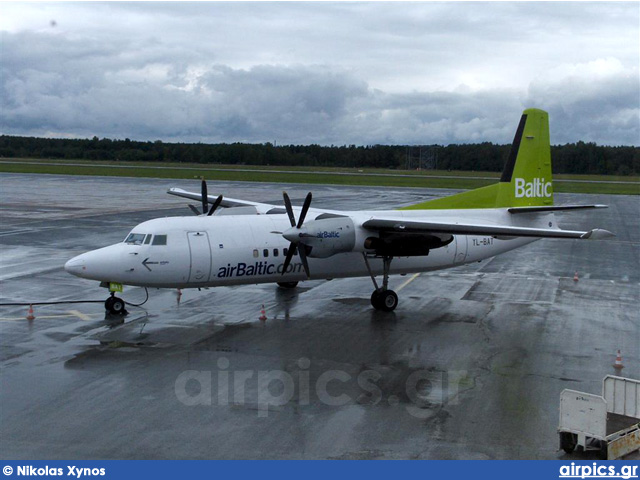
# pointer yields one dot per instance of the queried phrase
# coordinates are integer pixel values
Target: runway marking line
(407, 282)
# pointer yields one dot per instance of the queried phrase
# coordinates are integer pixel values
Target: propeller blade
(290, 254)
(215, 205)
(303, 257)
(194, 209)
(205, 198)
(305, 209)
(287, 206)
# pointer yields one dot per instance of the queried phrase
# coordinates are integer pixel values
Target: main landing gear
(382, 298)
(115, 305)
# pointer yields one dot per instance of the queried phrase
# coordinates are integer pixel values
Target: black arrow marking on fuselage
(146, 263)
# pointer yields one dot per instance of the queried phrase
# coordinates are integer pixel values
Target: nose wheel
(115, 305)
(382, 298)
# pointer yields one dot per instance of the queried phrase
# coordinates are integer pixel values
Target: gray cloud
(348, 73)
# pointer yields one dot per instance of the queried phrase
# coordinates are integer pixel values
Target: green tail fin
(526, 179)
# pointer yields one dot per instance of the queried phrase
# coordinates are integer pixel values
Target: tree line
(575, 158)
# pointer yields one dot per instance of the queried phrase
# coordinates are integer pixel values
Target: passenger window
(148, 239)
(135, 239)
(275, 252)
(256, 254)
(285, 251)
(159, 240)
(265, 252)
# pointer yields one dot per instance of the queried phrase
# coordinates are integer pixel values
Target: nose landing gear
(115, 305)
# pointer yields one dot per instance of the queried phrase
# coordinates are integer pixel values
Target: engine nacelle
(325, 237)
(406, 245)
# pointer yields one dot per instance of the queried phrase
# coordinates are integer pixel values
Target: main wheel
(287, 284)
(385, 300)
(388, 300)
(375, 299)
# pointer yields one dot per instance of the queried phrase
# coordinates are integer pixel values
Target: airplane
(248, 242)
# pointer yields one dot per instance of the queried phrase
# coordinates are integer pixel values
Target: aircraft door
(461, 249)
(200, 257)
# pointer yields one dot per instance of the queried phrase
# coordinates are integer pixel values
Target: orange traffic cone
(575, 277)
(618, 363)
(263, 315)
(30, 315)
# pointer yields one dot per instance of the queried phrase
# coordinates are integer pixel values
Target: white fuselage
(201, 251)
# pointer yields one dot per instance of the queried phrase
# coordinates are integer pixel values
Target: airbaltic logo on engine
(326, 234)
(536, 189)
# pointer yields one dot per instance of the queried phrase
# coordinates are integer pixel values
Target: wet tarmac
(470, 365)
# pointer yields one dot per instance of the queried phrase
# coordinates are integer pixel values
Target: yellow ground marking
(71, 314)
(407, 282)
(80, 315)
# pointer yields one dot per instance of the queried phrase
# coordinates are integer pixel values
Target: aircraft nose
(76, 265)
(104, 264)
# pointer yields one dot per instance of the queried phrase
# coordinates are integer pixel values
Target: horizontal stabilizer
(553, 208)
(475, 229)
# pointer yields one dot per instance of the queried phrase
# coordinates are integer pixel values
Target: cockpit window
(135, 239)
(159, 240)
(147, 240)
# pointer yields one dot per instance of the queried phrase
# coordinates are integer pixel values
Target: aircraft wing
(255, 207)
(404, 226)
(226, 201)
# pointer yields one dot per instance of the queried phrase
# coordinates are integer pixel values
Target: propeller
(205, 202)
(293, 246)
(215, 205)
(205, 197)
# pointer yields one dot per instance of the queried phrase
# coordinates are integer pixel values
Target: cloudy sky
(327, 73)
